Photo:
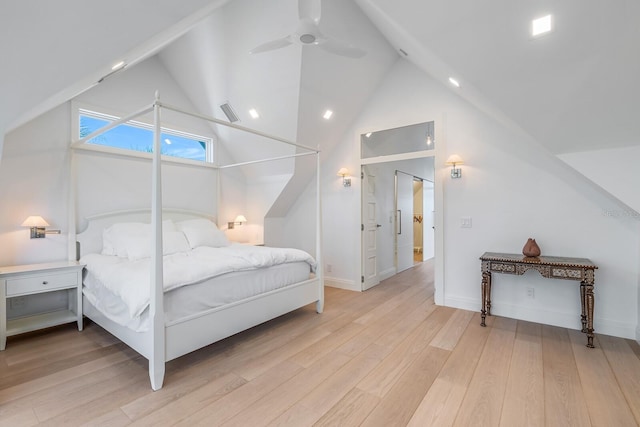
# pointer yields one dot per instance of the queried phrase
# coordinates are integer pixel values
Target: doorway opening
(414, 241)
(398, 200)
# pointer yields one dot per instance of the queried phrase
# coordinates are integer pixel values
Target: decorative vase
(531, 248)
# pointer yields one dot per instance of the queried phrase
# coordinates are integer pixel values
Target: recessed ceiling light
(254, 113)
(454, 82)
(117, 66)
(327, 114)
(541, 26)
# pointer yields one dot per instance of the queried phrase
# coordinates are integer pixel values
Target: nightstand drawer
(41, 283)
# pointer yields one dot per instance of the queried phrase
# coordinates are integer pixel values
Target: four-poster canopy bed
(172, 311)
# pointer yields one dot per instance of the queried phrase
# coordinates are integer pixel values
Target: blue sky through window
(130, 137)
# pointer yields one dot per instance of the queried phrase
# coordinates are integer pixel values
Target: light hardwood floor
(385, 357)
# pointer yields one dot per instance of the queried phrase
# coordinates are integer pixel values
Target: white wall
(613, 169)
(34, 180)
(109, 183)
(512, 190)
(34, 172)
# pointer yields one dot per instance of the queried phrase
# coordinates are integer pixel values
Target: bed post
(156, 307)
(319, 269)
(72, 253)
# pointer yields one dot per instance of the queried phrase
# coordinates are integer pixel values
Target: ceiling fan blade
(309, 9)
(272, 45)
(342, 49)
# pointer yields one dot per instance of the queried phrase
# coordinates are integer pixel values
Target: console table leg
(583, 303)
(590, 300)
(488, 294)
(486, 278)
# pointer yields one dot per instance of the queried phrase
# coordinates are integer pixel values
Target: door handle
(378, 225)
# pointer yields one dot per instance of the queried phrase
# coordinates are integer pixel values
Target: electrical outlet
(465, 222)
(531, 293)
(329, 268)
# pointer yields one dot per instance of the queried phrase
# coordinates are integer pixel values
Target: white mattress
(198, 297)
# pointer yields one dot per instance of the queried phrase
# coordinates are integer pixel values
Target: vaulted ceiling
(574, 89)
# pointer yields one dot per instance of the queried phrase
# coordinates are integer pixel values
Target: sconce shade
(454, 159)
(238, 221)
(37, 225)
(343, 172)
(35, 221)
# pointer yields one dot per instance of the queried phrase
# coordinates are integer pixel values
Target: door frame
(439, 175)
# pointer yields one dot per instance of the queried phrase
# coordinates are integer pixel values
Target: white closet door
(429, 248)
(404, 221)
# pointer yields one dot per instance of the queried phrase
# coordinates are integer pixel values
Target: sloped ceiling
(290, 87)
(52, 51)
(572, 90)
(575, 89)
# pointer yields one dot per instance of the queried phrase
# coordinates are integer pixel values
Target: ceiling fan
(308, 33)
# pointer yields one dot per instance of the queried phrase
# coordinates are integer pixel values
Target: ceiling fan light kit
(308, 33)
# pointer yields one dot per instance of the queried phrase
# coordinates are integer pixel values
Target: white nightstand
(23, 280)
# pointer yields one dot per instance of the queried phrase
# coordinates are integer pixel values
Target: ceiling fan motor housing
(307, 38)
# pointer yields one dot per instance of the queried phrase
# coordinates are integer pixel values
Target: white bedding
(199, 297)
(129, 280)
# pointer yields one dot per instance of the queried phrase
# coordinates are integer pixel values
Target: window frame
(79, 109)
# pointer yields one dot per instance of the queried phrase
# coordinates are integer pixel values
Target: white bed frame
(165, 341)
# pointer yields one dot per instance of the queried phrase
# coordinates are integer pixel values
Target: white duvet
(130, 280)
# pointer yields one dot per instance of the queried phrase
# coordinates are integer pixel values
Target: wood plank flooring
(385, 357)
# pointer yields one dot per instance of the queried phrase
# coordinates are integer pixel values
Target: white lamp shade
(343, 172)
(240, 218)
(454, 159)
(35, 221)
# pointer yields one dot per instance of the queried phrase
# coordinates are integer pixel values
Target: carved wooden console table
(578, 269)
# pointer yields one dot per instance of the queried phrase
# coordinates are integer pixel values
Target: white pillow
(139, 247)
(206, 237)
(116, 237)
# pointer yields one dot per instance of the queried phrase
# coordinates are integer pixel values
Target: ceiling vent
(228, 111)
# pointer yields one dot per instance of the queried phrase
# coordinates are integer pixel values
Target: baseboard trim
(553, 318)
(349, 285)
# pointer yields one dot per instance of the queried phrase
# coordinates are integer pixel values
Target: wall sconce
(238, 221)
(344, 173)
(37, 225)
(454, 160)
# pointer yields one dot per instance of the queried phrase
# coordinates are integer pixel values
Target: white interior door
(404, 221)
(428, 250)
(370, 228)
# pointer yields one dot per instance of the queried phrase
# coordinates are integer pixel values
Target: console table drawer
(567, 273)
(40, 283)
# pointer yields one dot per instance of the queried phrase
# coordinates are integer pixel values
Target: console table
(578, 269)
